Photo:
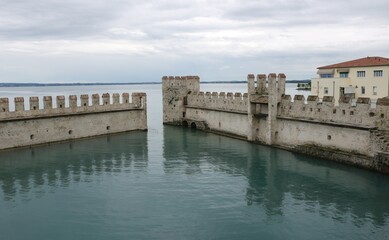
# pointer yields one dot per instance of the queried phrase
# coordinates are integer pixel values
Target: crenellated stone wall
(232, 102)
(185, 104)
(82, 118)
(359, 113)
(266, 115)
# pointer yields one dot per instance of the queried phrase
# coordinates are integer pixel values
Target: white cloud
(126, 32)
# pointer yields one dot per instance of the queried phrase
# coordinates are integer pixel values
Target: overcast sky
(133, 41)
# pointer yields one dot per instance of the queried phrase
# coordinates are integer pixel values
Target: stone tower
(174, 94)
(263, 106)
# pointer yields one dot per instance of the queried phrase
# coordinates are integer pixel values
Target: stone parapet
(75, 105)
(218, 101)
(79, 119)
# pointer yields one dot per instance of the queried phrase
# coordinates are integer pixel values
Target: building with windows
(364, 77)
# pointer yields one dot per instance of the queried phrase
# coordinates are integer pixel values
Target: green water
(192, 185)
(174, 183)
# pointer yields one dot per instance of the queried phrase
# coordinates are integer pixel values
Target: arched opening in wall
(32, 136)
(70, 132)
(108, 127)
(3, 110)
(193, 125)
(185, 124)
(84, 104)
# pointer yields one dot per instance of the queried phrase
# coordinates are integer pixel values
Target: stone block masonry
(82, 119)
(352, 132)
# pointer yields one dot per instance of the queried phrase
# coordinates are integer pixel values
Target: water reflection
(60, 165)
(281, 181)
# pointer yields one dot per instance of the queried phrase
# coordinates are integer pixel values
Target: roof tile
(361, 62)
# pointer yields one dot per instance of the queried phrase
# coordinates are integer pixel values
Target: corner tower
(174, 94)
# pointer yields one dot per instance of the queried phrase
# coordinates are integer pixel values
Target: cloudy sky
(133, 41)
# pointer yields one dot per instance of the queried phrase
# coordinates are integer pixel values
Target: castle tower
(174, 94)
(263, 106)
(276, 88)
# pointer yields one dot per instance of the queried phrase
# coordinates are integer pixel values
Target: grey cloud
(185, 37)
(308, 12)
(55, 19)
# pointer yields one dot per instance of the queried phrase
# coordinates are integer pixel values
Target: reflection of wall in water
(61, 164)
(188, 147)
(273, 175)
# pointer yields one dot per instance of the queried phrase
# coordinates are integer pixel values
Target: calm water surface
(174, 183)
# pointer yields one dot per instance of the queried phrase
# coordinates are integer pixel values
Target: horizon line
(8, 84)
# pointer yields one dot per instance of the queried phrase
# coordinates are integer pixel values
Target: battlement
(86, 104)
(61, 120)
(352, 131)
(180, 78)
(271, 85)
(348, 112)
(181, 83)
(218, 101)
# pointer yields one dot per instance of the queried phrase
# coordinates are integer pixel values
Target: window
(374, 90)
(343, 74)
(360, 73)
(326, 75)
(326, 90)
(377, 73)
(363, 90)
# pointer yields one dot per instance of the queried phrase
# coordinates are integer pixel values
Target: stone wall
(266, 115)
(185, 104)
(174, 96)
(80, 119)
(229, 123)
(358, 113)
(218, 101)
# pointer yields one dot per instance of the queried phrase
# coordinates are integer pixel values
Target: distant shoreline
(137, 83)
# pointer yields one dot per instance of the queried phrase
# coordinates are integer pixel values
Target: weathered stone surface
(352, 133)
(39, 126)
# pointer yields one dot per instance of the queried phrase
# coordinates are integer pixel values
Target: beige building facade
(366, 77)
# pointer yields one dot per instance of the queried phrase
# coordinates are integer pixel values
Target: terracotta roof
(362, 62)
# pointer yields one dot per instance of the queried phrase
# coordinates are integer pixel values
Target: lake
(176, 183)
